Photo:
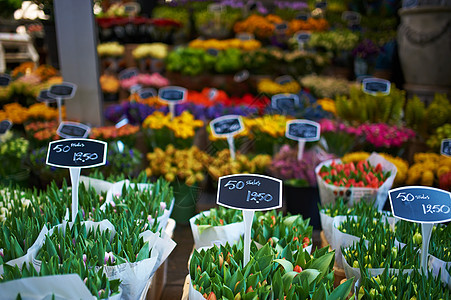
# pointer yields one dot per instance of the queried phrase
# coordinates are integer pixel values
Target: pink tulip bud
(163, 205)
(1, 253)
(84, 258)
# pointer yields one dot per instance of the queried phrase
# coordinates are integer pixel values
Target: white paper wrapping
(99, 185)
(194, 294)
(116, 190)
(326, 225)
(437, 265)
(69, 286)
(328, 193)
(341, 239)
(206, 236)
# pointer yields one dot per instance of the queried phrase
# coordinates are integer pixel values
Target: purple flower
(84, 259)
(1, 253)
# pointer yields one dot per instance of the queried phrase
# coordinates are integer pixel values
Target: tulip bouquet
(356, 182)
(19, 114)
(271, 87)
(186, 165)
(41, 133)
(219, 217)
(111, 134)
(95, 279)
(325, 87)
(111, 49)
(439, 245)
(427, 168)
(411, 285)
(151, 203)
(247, 45)
(219, 272)
(360, 107)
(218, 225)
(13, 152)
(279, 231)
(340, 138)
(382, 137)
(379, 253)
(267, 132)
(401, 165)
(362, 174)
(179, 131)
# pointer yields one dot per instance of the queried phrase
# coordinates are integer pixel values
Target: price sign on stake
(245, 36)
(71, 130)
(420, 204)
(302, 131)
(147, 93)
(128, 73)
(5, 125)
(374, 86)
(303, 37)
(44, 96)
(303, 16)
(76, 154)
(227, 126)
(172, 95)
(446, 147)
(285, 102)
(241, 76)
(351, 17)
(249, 192)
(65, 90)
(5, 79)
(284, 79)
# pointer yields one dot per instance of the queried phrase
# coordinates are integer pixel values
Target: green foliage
(415, 113)
(360, 107)
(438, 112)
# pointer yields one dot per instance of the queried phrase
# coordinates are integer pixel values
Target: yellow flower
(355, 157)
(328, 105)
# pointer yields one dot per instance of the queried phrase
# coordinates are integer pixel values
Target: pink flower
(84, 259)
(1, 253)
(163, 205)
(109, 256)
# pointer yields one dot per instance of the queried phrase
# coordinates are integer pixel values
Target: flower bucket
(303, 201)
(185, 202)
(328, 192)
(116, 190)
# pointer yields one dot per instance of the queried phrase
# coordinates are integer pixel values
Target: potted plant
(300, 185)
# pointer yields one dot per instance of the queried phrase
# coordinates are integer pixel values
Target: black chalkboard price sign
(303, 130)
(226, 126)
(70, 130)
(446, 147)
(285, 102)
(147, 93)
(281, 27)
(76, 153)
(322, 4)
(213, 51)
(5, 125)
(128, 73)
(303, 37)
(249, 192)
(351, 17)
(245, 36)
(44, 96)
(284, 79)
(5, 79)
(65, 90)
(172, 94)
(421, 204)
(303, 16)
(241, 76)
(374, 86)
